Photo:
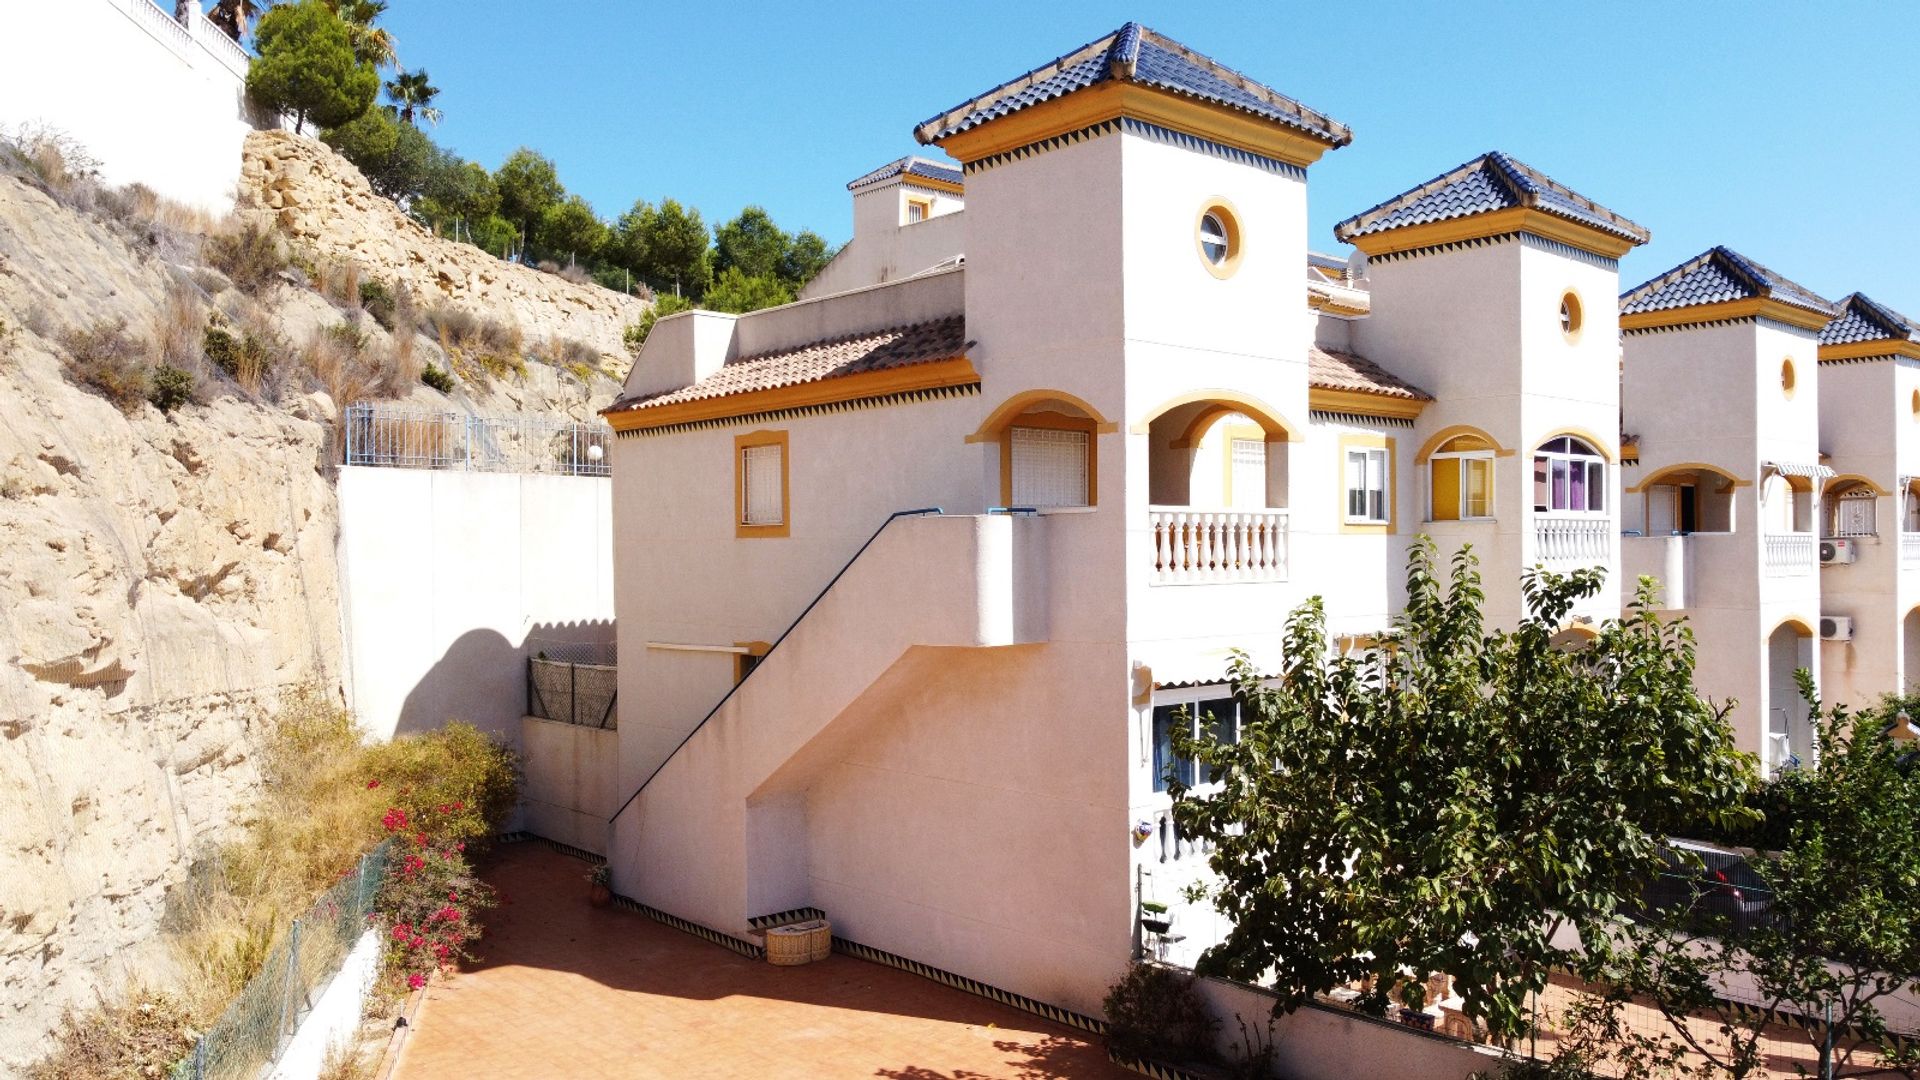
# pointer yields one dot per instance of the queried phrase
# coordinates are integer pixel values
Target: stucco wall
(570, 779)
(1315, 1041)
(156, 102)
(885, 247)
(444, 575)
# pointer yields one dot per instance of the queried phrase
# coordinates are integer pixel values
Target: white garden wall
(444, 575)
(155, 101)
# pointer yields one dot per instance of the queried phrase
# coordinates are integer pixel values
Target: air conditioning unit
(1836, 628)
(1838, 551)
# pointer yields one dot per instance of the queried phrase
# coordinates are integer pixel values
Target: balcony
(1192, 546)
(1909, 549)
(1572, 538)
(1789, 554)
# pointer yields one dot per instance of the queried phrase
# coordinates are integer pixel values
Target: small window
(1570, 316)
(1218, 235)
(1461, 474)
(1852, 513)
(1786, 377)
(760, 491)
(1247, 473)
(1569, 476)
(918, 210)
(1049, 467)
(1220, 715)
(1367, 486)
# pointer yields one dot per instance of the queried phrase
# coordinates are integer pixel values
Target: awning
(1790, 468)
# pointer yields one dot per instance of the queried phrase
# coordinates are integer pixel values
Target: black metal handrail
(728, 696)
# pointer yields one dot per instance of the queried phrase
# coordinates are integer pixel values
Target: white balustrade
(1583, 538)
(1202, 547)
(1910, 548)
(1172, 846)
(1789, 554)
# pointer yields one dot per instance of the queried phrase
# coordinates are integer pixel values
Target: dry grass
(178, 330)
(107, 359)
(344, 361)
(478, 348)
(140, 1035)
(336, 280)
(54, 162)
(251, 256)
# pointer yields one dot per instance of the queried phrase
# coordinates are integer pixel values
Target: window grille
(1049, 467)
(1853, 513)
(765, 495)
(1249, 474)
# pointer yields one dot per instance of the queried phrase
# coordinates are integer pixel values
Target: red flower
(371, 784)
(395, 819)
(420, 838)
(461, 846)
(416, 981)
(452, 894)
(441, 951)
(400, 931)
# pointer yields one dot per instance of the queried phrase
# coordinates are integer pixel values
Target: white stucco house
(912, 574)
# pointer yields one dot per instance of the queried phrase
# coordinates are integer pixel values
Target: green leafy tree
(805, 257)
(571, 228)
(667, 247)
(528, 184)
(636, 335)
(396, 158)
(412, 96)
(457, 192)
(1833, 936)
(1446, 801)
(752, 244)
(738, 293)
(306, 67)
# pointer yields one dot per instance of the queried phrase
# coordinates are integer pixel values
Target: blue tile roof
(1139, 55)
(1715, 276)
(1489, 183)
(1863, 319)
(910, 166)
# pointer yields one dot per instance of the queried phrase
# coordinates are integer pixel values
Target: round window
(1570, 316)
(1217, 233)
(1786, 377)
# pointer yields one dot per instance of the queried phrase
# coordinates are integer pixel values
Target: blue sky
(1789, 132)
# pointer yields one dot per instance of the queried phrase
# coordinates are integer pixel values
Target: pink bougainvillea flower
(416, 980)
(394, 819)
(401, 930)
(371, 784)
(420, 838)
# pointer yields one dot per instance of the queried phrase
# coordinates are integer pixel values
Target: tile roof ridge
(1037, 75)
(1891, 322)
(852, 335)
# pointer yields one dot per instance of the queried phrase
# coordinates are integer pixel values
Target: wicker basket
(800, 943)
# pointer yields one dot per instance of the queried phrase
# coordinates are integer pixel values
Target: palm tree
(412, 95)
(371, 44)
(234, 16)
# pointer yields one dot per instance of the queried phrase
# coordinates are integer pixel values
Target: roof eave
(1517, 219)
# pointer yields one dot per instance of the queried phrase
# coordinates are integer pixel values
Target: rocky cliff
(165, 577)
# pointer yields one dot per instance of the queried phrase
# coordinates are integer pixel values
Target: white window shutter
(1049, 467)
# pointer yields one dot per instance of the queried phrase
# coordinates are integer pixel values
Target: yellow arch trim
(1441, 437)
(1270, 421)
(1688, 466)
(1799, 621)
(1606, 454)
(1855, 478)
(997, 422)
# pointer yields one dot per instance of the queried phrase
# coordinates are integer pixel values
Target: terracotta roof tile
(875, 350)
(1330, 370)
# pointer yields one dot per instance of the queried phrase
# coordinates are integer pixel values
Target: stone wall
(325, 206)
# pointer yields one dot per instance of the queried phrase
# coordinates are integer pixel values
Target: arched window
(1460, 480)
(1569, 476)
(1850, 511)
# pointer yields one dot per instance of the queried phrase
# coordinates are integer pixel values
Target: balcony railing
(1572, 538)
(1789, 554)
(1910, 549)
(1203, 547)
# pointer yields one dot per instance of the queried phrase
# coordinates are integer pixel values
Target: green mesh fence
(259, 1023)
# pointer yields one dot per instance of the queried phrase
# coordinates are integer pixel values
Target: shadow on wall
(482, 678)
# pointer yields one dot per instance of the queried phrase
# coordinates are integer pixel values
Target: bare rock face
(322, 203)
(162, 580)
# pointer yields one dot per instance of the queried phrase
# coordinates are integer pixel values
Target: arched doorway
(1217, 478)
(1789, 740)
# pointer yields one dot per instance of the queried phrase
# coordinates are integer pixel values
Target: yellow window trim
(926, 209)
(1220, 207)
(1570, 299)
(741, 443)
(1369, 442)
(1223, 401)
(915, 180)
(1447, 434)
(1834, 483)
(1599, 446)
(1057, 422)
(1666, 473)
(994, 426)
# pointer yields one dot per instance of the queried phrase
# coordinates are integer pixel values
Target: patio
(568, 990)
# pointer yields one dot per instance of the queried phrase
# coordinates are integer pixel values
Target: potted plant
(600, 886)
(1154, 918)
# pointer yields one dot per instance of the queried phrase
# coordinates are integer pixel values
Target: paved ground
(566, 990)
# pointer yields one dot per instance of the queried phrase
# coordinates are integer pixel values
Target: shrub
(104, 357)
(338, 361)
(477, 347)
(378, 302)
(251, 256)
(1153, 1012)
(221, 350)
(437, 378)
(53, 161)
(170, 388)
(248, 360)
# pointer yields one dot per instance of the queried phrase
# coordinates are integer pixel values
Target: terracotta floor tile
(565, 990)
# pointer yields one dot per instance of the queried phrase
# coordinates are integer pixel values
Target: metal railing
(572, 693)
(399, 437)
(1197, 547)
(1789, 554)
(257, 1026)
